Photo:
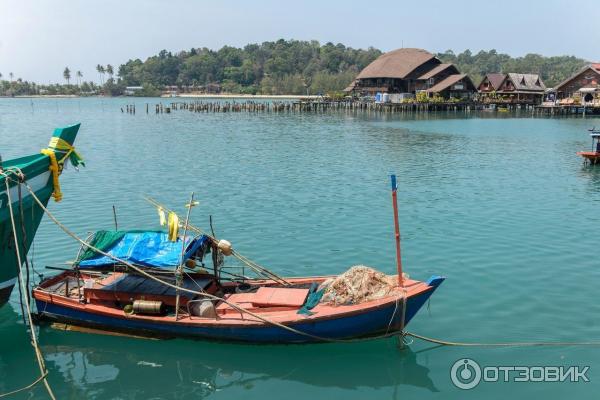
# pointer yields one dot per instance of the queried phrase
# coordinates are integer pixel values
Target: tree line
(278, 67)
(20, 87)
(281, 67)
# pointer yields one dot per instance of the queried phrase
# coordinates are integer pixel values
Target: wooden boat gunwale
(236, 321)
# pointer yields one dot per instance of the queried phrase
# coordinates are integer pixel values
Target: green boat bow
(40, 172)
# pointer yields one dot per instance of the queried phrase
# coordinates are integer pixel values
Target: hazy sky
(38, 38)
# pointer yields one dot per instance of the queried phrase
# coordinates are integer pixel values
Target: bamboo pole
(179, 270)
(397, 231)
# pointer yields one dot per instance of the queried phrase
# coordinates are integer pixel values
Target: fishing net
(357, 285)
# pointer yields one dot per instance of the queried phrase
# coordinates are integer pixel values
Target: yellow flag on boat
(161, 216)
(173, 226)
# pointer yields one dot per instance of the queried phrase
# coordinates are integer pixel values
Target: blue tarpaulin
(150, 248)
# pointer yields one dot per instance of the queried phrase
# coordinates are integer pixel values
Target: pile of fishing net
(357, 285)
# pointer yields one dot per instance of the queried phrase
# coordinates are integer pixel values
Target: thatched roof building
(512, 87)
(523, 83)
(408, 71)
(491, 82)
(396, 64)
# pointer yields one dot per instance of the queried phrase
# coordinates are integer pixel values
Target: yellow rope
(56, 166)
(60, 144)
(54, 169)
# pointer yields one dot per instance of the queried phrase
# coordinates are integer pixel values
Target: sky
(39, 38)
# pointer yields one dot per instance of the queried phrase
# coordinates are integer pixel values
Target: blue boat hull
(372, 323)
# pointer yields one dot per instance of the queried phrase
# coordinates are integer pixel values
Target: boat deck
(107, 295)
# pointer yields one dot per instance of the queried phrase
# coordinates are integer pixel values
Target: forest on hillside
(281, 67)
(277, 67)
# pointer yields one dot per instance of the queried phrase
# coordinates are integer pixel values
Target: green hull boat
(37, 171)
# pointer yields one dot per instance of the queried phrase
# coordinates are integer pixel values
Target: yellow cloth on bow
(56, 166)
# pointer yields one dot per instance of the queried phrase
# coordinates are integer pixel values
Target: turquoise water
(502, 207)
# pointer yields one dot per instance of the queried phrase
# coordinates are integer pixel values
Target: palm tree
(79, 76)
(0, 75)
(67, 74)
(11, 75)
(110, 71)
(101, 71)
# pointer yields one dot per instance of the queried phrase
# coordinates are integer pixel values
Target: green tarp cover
(103, 240)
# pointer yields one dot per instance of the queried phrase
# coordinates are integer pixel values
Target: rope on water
(34, 342)
(31, 385)
(498, 344)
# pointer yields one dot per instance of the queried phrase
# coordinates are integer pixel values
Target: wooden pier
(570, 109)
(301, 107)
(320, 106)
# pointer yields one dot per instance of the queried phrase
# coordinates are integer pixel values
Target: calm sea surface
(502, 207)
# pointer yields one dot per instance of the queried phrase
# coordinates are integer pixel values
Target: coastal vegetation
(271, 68)
(281, 67)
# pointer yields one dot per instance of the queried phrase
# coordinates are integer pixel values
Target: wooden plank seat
(265, 297)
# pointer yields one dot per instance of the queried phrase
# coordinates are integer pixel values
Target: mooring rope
(34, 342)
(498, 344)
(31, 385)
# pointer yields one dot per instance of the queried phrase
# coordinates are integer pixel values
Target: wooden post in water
(397, 231)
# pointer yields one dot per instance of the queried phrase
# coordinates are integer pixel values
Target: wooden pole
(179, 270)
(115, 218)
(397, 231)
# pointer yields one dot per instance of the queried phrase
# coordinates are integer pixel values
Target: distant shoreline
(42, 96)
(183, 95)
(249, 96)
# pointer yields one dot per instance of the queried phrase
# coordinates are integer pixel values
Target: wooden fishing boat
(593, 156)
(103, 305)
(39, 171)
(156, 284)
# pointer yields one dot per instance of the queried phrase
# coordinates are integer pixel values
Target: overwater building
(512, 88)
(405, 72)
(583, 85)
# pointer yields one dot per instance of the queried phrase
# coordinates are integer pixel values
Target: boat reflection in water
(182, 368)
